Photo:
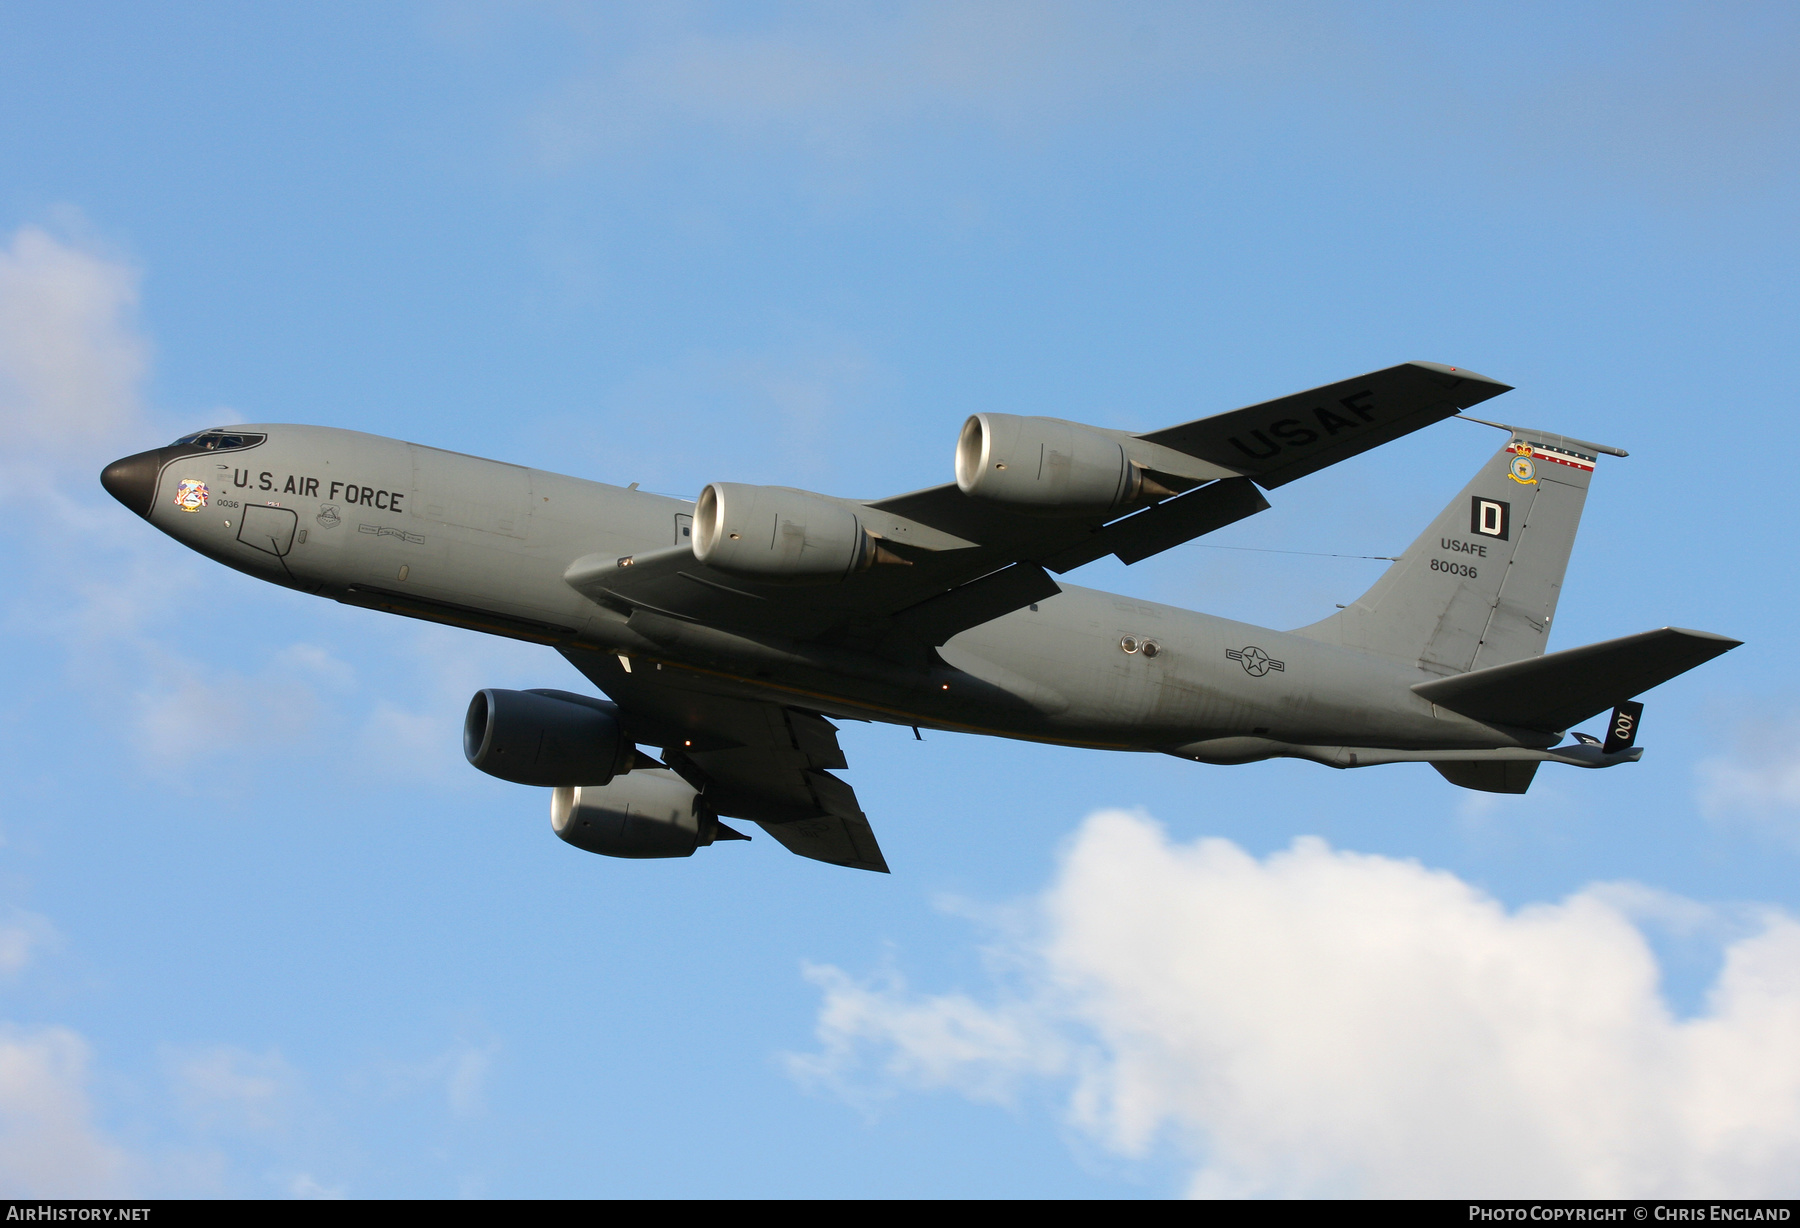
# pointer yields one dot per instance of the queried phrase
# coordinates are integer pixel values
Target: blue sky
(263, 933)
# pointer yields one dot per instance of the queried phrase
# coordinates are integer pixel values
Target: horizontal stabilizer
(1561, 689)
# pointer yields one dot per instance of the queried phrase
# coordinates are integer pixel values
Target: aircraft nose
(132, 480)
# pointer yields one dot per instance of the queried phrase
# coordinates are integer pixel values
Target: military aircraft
(726, 631)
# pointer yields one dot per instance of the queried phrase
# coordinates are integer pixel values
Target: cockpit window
(217, 440)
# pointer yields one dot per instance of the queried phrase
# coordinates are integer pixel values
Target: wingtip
(1463, 374)
(1726, 640)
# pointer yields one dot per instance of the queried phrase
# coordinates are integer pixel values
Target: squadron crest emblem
(190, 496)
(1522, 469)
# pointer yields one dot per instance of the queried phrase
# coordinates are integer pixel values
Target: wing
(968, 561)
(1290, 437)
(750, 759)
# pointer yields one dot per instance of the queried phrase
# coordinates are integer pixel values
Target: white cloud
(839, 79)
(1757, 775)
(72, 365)
(792, 395)
(50, 1146)
(22, 936)
(1685, 102)
(189, 712)
(418, 739)
(383, 697)
(71, 357)
(111, 599)
(949, 1040)
(808, 387)
(1326, 1022)
(465, 1079)
(229, 1088)
(305, 1186)
(459, 1072)
(255, 1109)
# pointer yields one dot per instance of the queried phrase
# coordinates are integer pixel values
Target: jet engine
(772, 533)
(546, 738)
(652, 813)
(1044, 465)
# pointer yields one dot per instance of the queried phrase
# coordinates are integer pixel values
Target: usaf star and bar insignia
(1255, 661)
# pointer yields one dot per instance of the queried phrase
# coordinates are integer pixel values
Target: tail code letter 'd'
(1490, 517)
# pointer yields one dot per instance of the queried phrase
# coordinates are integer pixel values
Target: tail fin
(1479, 587)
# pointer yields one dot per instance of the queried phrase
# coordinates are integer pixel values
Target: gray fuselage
(483, 544)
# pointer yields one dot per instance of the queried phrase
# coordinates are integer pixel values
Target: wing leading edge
(1277, 441)
(1271, 443)
(956, 546)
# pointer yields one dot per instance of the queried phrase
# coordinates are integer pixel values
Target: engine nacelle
(775, 534)
(546, 738)
(1043, 465)
(651, 813)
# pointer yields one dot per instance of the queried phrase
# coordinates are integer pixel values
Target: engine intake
(776, 534)
(545, 738)
(652, 813)
(1044, 465)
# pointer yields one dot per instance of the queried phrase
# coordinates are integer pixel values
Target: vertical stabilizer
(1479, 587)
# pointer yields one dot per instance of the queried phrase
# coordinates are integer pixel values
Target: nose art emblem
(190, 496)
